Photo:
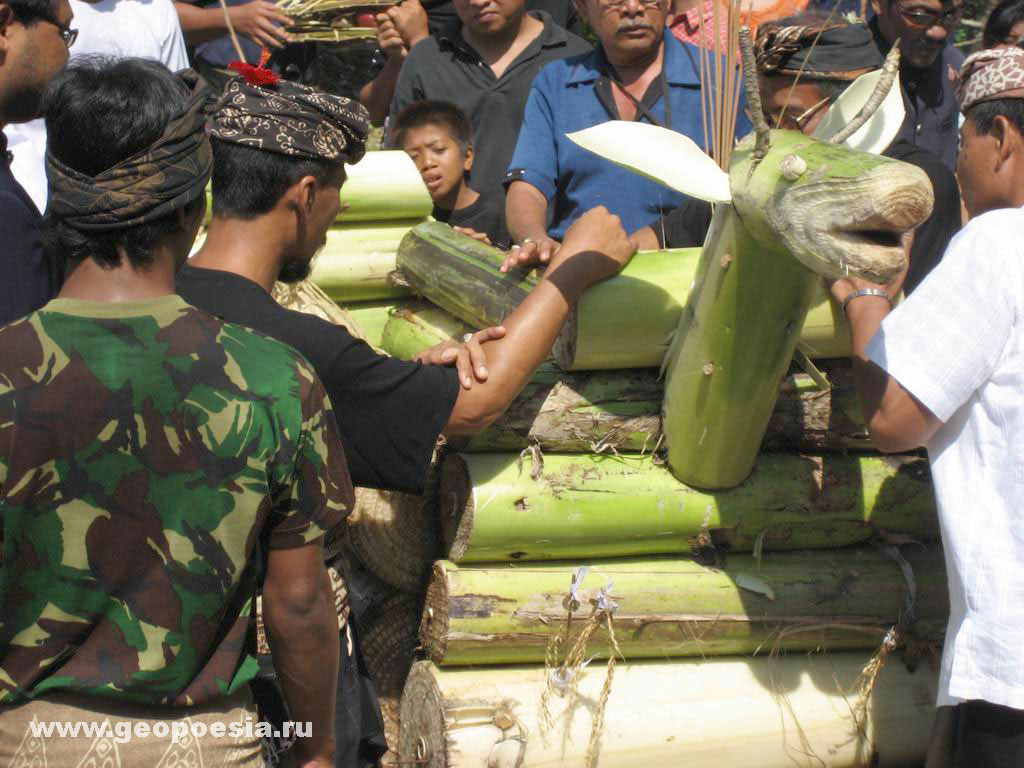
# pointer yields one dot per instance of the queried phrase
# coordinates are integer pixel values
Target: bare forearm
(526, 211)
(896, 421)
(305, 649)
(200, 25)
(376, 94)
(512, 360)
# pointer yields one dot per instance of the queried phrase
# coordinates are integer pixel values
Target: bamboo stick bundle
(675, 607)
(394, 536)
(728, 713)
(383, 185)
(497, 507)
(416, 327)
(332, 21)
(627, 321)
(357, 261)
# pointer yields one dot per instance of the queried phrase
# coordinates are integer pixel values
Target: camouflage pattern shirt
(146, 450)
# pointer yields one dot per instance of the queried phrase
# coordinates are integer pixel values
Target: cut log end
(390, 534)
(433, 630)
(422, 740)
(455, 507)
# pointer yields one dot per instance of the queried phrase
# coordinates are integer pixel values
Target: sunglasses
(925, 18)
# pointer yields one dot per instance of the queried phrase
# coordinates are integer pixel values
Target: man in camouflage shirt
(149, 452)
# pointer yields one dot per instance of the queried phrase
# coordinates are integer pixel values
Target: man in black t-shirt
(815, 60)
(272, 206)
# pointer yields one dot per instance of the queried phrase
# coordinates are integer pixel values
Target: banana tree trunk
(461, 275)
(671, 607)
(358, 259)
(628, 321)
(593, 412)
(497, 507)
(370, 317)
(735, 339)
(381, 186)
(417, 327)
(729, 713)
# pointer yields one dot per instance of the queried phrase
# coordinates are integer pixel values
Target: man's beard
(294, 271)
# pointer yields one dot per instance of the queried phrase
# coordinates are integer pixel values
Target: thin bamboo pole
(675, 607)
(497, 507)
(728, 713)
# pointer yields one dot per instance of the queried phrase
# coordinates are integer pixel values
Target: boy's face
(440, 161)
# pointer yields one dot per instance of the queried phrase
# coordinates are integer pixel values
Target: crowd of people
(173, 442)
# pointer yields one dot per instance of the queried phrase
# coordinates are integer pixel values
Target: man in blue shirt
(638, 62)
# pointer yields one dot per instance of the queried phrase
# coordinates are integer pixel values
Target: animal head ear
(880, 129)
(658, 154)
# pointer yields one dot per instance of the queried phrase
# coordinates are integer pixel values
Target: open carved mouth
(857, 222)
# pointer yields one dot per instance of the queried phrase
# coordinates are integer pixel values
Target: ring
(467, 338)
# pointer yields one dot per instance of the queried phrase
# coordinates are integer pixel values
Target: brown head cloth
(293, 120)
(815, 50)
(991, 75)
(150, 184)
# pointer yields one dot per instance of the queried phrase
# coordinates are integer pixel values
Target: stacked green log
(500, 507)
(727, 713)
(676, 607)
(417, 326)
(627, 321)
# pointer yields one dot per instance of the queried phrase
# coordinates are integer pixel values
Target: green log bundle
(499, 507)
(726, 713)
(357, 261)
(676, 607)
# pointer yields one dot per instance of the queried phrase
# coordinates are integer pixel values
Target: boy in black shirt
(439, 139)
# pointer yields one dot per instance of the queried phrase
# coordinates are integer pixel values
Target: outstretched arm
(595, 247)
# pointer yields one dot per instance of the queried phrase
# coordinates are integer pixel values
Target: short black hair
(443, 113)
(29, 11)
(100, 111)
(984, 114)
(248, 181)
(1000, 22)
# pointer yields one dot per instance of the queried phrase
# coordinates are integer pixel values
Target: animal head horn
(761, 130)
(890, 69)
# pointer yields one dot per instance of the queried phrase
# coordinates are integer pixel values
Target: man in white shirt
(146, 29)
(946, 370)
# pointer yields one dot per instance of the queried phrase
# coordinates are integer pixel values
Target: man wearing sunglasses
(924, 31)
(34, 39)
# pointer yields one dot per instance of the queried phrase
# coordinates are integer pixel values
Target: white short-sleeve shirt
(957, 345)
(147, 29)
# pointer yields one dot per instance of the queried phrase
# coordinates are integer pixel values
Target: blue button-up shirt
(564, 99)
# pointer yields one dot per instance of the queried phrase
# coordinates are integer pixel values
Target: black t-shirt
(390, 412)
(688, 224)
(486, 215)
(440, 14)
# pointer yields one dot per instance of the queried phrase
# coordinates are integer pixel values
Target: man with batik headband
(805, 62)
(148, 451)
(946, 369)
(279, 150)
